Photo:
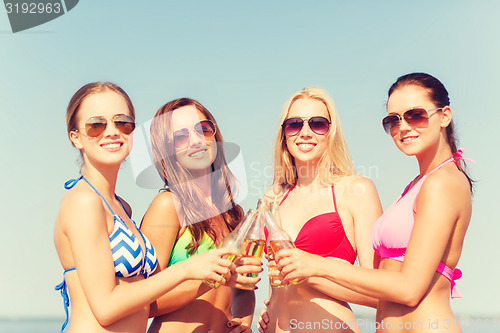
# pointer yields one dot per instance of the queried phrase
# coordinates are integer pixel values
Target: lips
(408, 139)
(306, 146)
(112, 146)
(199, 153)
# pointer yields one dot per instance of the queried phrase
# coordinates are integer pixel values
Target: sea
(53, 325)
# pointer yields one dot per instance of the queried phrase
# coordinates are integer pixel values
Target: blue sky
(242, 60)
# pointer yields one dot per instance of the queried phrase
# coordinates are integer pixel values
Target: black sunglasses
(319, 125)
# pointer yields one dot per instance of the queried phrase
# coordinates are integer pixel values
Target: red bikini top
(324, 235)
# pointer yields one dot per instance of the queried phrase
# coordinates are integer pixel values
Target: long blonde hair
(335, 163)
(178, 179)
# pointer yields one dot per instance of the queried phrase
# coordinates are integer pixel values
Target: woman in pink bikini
(327, 209)
(419, 238)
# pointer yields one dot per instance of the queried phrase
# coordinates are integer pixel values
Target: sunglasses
(319, 125)
(95, 126)
(416, 117)
(204, 128)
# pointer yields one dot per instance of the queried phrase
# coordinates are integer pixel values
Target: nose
(404, 126)
(305, 131)
(195, 139)
(111, 129)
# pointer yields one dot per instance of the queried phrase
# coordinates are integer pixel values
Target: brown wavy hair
(177, 178)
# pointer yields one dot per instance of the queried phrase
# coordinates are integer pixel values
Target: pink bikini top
(392, 231)
(324, 235)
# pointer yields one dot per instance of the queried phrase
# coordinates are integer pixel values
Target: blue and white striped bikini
(128, 255)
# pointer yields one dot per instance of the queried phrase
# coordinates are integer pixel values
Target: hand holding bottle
(211, 265)
(277, 240)
(298, 265)
(249, 239)
(245, 276)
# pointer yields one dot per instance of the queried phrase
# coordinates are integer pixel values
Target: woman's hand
(295, 263)
(263, 319)
(210, 265)
(244, 266)
(238, 326)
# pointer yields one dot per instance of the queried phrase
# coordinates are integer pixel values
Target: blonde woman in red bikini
(327, 209)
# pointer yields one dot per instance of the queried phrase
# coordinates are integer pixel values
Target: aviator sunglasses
(95, 126)
(204, 128)
(319, 125)
(416, 117)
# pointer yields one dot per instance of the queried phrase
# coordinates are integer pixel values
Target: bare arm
(83, 219)
(242, 309)
(438, 209)
(161, 225)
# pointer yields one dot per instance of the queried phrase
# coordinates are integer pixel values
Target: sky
(242, 60)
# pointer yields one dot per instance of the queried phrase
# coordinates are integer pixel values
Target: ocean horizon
(469, 324)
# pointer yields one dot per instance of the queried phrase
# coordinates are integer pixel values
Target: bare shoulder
(164, 209)
(447, 182)
(80, 202)
(275, 193)
(357, 187)
(165, 201)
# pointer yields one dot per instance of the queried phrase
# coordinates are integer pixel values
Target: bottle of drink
(236, 240)
(254, 238)
(277, 239)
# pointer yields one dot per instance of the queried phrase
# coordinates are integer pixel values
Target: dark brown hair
(439, 96)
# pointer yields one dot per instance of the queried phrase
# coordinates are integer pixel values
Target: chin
(410, 150)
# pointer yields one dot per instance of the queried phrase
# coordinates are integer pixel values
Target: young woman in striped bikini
(108, 262)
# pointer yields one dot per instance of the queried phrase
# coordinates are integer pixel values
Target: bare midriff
(84, 321)
(433, 313)
(300, 308)
(208, 313)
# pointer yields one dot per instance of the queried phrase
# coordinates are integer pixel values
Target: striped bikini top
(128, 255)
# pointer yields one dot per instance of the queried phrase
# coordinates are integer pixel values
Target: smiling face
(412, 140)
(200, 152)
(307, 146)
(112, 146)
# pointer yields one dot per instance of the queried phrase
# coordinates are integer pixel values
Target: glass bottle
(254, 239)
(236, 239)
(277, 239)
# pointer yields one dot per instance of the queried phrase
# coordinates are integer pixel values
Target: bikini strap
(287, 193)
(63, 288)
(126, 212)
(454, 157)
(334, 201)
(96, 191)
(451, 275)
(458, 156)
(72, 182)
